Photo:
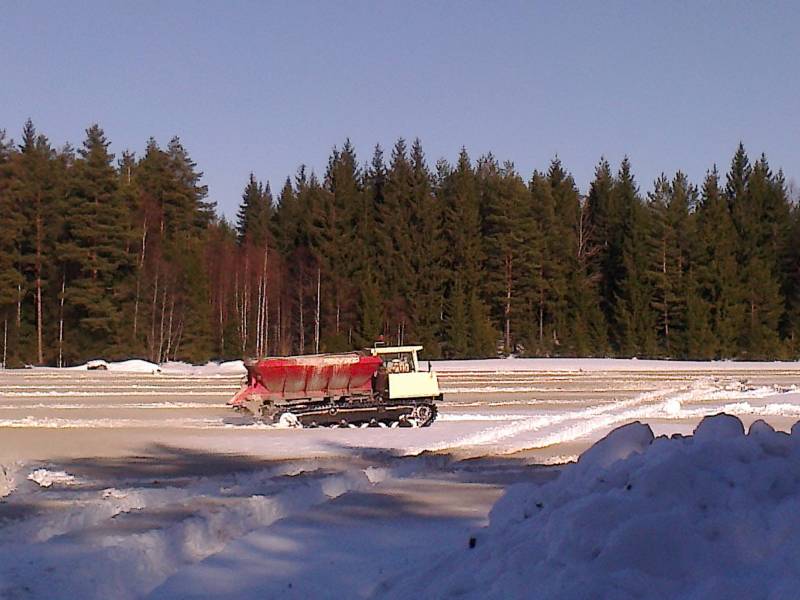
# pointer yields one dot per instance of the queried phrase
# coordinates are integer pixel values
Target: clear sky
(264, 87)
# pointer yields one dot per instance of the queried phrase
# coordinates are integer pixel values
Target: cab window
(398, 362)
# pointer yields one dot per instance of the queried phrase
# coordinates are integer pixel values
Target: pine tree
(792, 271)
(11, 277)
(185, 206)
(36, 192)
(511, 235)
(92, 250)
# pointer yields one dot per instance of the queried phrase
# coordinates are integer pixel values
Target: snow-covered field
(138, 481)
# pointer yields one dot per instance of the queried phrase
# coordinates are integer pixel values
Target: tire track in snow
(573, 425)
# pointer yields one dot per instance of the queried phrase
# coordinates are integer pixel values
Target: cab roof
(394, 349)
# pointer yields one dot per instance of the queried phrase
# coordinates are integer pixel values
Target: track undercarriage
(348, 412)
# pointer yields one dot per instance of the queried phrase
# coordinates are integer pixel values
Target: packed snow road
(132, 484)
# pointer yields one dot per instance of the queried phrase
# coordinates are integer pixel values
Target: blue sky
(264, 87)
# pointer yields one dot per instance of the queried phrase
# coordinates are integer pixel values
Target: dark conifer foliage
(472, 259)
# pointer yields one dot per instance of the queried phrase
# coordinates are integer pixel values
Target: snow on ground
(139, 480)
(709, 516)
(501, 365)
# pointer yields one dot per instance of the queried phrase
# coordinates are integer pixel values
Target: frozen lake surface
(128, 483)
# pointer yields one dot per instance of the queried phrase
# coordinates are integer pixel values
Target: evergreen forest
(119, 257)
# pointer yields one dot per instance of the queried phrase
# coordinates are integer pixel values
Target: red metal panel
(317, 376)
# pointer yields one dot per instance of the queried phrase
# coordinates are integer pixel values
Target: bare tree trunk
(169, 329)
(279, 328)
(507, 309)
(153, 319)
(259, 315)
(245, 305)
(5, 342)
(221, 328)
(178, 339)
(39, 324)
(302, 326)
(266, 301)
(316, 316)
(139, 279)
(266, 321)
(541, 315)
(161, 325)
(236, 304)
(61, 321)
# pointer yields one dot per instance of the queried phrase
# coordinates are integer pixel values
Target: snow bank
(134, 365)
(231, 367)
(504, 365)
(712, 515)
(121, 542)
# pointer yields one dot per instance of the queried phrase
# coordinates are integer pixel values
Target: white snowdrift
(712, 515)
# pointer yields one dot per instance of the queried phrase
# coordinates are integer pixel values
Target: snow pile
(47, 478)
(134, 365)
(7, 480)
(231, 367)
(713, 515)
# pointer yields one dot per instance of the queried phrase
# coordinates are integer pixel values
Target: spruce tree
(760, 221)
(426, 256)
(460, 199)
(670, 242)
(633, 316)
(717, 269)
(254, 217)
(604, 220)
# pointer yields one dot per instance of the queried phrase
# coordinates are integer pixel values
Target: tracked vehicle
(378, 387)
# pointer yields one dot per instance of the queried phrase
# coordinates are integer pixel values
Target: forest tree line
(119, 257)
